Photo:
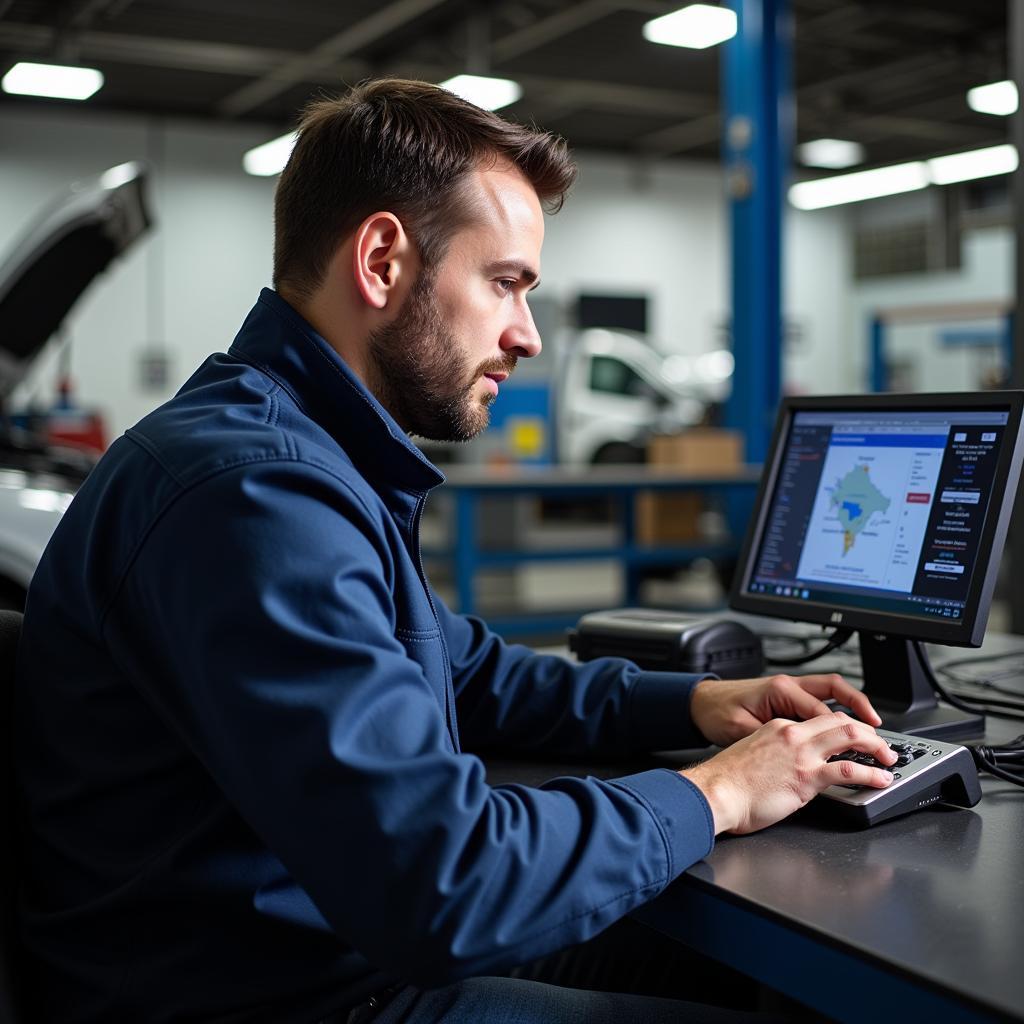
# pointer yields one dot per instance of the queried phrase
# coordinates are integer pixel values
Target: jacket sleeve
(257, 617)
(510, 698)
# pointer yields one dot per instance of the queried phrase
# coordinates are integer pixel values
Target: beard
(418, 372)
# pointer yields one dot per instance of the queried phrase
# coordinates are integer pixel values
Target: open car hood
(61, 254)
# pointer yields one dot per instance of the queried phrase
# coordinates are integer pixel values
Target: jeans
(628, 974)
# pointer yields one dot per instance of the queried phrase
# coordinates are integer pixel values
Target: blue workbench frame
(468, 558)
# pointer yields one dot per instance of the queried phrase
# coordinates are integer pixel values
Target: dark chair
(10, 630)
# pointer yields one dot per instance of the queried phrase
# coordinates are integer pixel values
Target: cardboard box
(668, 518)
(706, 450)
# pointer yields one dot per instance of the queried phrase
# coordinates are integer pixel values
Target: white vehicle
(614, 390)
(41, 279)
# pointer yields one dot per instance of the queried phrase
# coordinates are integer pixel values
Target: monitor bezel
(971, 631)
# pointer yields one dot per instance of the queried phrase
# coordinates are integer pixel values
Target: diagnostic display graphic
(871, 511)
(856, 499)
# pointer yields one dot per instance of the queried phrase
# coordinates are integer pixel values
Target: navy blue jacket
(239, 706)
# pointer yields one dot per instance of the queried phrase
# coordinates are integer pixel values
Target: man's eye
(506, 284)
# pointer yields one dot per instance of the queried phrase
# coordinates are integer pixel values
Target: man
(243, 715)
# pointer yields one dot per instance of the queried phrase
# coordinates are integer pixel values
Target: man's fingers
(849, 773)
(791, 699)
(861, 707)
(847, 734)
(833, 685)
(832, 734)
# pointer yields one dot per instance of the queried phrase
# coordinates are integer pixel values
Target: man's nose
(521, 338)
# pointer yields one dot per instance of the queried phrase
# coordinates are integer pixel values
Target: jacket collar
(283, 345)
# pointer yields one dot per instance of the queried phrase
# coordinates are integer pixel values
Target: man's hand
(767, 775)
(726, 710)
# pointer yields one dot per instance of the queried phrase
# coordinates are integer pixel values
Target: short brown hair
(402, 146)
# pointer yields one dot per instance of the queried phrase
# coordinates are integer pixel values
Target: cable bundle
(1005, 762)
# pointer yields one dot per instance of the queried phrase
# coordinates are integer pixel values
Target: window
(613, 377)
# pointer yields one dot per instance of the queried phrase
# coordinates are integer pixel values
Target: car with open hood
(43, 276)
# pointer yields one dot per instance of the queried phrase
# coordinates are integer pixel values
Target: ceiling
(890, 74)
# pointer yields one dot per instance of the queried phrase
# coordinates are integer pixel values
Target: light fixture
(897, 178)
(715, 366)
(270, 158)
(978, 163)
(852, 188)
(54, 81)
(831, 153)
(484, 91)
(114, 177)
(996, 98)
(696, 27)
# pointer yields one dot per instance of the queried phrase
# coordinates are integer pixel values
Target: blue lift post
(757, 142)
(877, 373)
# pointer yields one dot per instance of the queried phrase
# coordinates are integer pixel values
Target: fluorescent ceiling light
(55, 81)
(697, 27)
(852, 188)
(979, 163)
(888, 181)
(997, 98)
(269, 158)
(832, 153)
(484, 91)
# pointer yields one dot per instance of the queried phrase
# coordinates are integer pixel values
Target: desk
(923, 912)
(468, 485)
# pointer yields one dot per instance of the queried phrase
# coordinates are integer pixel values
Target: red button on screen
(917, 498)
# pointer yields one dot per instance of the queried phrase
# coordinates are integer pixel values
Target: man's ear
(383, 259)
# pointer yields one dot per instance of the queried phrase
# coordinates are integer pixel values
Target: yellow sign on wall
(526, 437)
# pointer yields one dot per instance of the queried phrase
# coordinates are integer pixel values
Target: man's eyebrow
(515, 268)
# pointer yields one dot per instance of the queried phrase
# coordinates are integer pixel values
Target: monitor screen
(882, 511)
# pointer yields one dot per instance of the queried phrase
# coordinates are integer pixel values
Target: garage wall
(659, 229)
(926, 362)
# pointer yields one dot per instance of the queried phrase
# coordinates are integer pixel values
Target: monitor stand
(898, 686)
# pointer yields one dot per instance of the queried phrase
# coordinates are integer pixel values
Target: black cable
(834, 642)
(965, 702)
(989, 681)
(994, 760)
(977, 659)
(999, 773)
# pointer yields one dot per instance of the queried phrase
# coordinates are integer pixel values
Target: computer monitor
(887, 514)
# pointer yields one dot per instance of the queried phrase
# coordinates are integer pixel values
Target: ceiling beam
(585, 93)
(863, 127)
(546, 30)
(185, 54)
(679, 138)
(321, 58)
(83, 13)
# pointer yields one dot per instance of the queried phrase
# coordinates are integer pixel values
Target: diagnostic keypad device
(927, 771)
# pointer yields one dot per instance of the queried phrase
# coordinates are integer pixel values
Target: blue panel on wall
(522, 415)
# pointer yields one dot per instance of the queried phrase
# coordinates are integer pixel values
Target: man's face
(437, 366)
